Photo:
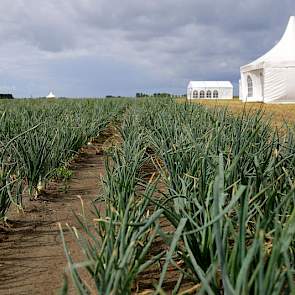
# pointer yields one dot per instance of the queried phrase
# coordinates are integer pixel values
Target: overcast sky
(119, 47)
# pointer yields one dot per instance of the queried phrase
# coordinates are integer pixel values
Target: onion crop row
(39, 137)
(232, 179)
(117, 242)
(230, 196)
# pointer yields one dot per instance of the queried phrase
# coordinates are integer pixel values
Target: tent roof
(282, 54)
(210, 84)
(50, 95)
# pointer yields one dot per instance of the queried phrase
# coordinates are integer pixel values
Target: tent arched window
(250, 86)
(202, 94)
(195, 94)
(209, 94)
(215, 94)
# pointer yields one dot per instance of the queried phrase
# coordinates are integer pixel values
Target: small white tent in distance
(50, 95)
(210, 90)
(271, 78)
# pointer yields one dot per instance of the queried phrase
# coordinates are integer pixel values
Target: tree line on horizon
(160, 94)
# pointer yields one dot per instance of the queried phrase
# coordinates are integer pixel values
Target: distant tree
(6, 96)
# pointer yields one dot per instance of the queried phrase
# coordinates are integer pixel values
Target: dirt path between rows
(32, 259)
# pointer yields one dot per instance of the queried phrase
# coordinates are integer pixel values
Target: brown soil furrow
(147, 280)
(32, 259)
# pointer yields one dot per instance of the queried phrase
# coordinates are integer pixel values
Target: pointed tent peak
(290, 30)
(50, 95)
(282, 52)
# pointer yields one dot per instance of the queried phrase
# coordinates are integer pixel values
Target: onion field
(37, 138)
(194, 200)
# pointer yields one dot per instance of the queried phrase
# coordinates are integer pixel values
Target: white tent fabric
(210, 90)
(271, 78)
(50, 95)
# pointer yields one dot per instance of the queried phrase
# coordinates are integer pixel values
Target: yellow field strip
(280, 113)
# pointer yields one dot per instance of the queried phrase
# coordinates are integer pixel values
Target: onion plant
(10, 187)
(228, 181)
(116, 244)
(229, 193)
(52, 132)
(256, 190)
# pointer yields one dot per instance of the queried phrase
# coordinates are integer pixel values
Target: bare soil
(32, 259)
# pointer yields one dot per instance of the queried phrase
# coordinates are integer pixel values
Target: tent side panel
(240, 90)
(189, 92)
(291, 84)
(223, 92)
(243, 87)
(227, 93)
(275, 85)
(257, 87)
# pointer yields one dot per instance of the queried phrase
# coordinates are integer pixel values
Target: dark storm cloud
(142, 45)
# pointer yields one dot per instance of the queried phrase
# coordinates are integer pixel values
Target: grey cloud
(169, 40)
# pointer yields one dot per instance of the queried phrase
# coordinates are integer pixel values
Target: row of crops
(38, 138)
(224, 183)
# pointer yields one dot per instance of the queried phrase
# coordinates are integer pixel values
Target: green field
(221, 180)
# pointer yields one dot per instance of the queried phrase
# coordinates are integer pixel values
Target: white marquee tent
(210, 90)
(271, 78)
(50, 95)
